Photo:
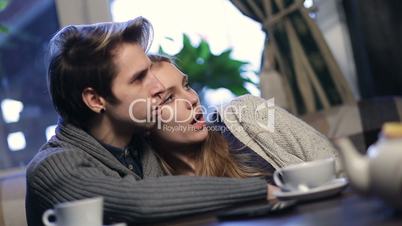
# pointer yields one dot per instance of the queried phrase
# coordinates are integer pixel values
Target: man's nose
(156, 87)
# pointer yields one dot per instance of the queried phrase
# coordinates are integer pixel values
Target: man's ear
(92, 99)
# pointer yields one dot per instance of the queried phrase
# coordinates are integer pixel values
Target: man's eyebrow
(135, 75)
(138, 73)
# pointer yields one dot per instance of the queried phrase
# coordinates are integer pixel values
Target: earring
(102, 110)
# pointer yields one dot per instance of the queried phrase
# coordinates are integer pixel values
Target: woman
(240, 143)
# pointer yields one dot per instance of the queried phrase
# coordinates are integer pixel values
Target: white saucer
(331, 188)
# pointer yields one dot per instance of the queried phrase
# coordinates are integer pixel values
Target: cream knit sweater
(274, 134)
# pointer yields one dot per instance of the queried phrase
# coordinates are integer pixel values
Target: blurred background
(310, 55)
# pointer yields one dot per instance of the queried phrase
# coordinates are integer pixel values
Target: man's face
(135, 87)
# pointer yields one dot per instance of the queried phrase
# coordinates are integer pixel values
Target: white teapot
(380, 171)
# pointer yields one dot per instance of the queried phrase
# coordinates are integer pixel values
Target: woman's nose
(192, 100)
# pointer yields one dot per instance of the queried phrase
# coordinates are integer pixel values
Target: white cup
(85, 212)
(304, 176)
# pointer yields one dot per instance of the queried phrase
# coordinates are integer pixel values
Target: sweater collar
(77, 137)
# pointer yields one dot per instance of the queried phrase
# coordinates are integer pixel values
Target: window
(26, 109)
(217, 21)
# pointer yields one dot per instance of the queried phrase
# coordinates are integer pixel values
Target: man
(96, 73)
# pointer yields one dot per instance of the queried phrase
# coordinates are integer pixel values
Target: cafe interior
(335, 64)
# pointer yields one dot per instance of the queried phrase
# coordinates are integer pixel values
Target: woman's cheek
(166, 115)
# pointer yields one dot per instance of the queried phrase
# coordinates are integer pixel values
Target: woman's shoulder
(245, 99)
(246, 103)
(252, 108)
(249, 98)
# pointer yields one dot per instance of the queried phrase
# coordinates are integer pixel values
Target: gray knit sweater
(73, 165)
(289, 140)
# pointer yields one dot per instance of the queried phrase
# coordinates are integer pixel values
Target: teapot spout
(355, 165)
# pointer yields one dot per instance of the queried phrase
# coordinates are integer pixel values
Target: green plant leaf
(206, 69)
(3, 4)
(161, 51)
(204, 50)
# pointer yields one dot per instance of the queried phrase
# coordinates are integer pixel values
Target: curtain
(297, 55)
(373, 27)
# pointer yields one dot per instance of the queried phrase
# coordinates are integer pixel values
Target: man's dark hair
(82, 56)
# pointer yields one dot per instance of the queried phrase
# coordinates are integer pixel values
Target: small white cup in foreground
(85, 212)
(304, 176)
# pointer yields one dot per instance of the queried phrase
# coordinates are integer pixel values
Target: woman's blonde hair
(215, 157)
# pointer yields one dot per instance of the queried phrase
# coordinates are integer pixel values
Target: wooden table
(347, 208)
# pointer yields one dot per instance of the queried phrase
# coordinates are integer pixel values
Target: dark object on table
(256, 210)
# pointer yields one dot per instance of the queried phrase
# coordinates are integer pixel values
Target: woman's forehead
(167, 72)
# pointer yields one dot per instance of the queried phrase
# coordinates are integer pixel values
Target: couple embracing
(157, 158)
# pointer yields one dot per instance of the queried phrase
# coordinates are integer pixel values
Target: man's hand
(271, 189)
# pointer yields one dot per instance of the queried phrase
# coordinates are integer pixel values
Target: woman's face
(181, 120)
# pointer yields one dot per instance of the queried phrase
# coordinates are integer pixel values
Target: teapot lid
(391, 130)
